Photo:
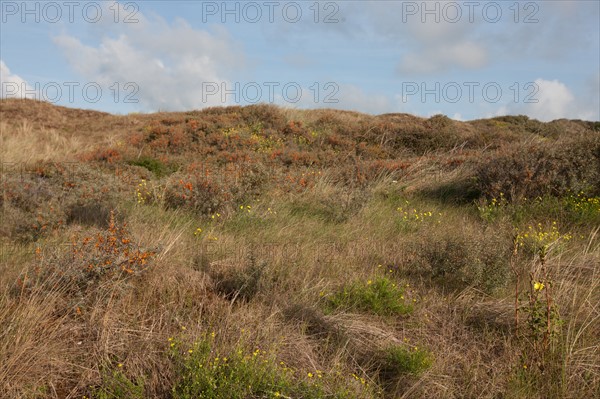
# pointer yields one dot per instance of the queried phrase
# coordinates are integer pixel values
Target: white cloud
(554, 101)
(168, 62)
(11, 85)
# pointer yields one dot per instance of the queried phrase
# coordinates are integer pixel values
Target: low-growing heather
(553, 168)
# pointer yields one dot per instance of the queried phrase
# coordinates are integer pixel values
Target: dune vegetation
(264, 252)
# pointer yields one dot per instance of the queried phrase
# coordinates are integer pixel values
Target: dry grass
(260, 277)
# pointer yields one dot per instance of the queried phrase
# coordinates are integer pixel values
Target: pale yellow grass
(25, 144)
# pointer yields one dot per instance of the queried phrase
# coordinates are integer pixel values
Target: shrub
(43, 198)
(153, 165)
(418, 136)
(380, 296)
(205, 372)
(30, 203)
(201, 194)
(109, 155)
(270, 116)
(109, 254)
(207, 190)
(468, 259)
(544, 169)
(397, 361)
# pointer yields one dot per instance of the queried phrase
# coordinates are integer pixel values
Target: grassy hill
(262, 252)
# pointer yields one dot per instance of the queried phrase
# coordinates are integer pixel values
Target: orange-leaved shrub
(91, 259)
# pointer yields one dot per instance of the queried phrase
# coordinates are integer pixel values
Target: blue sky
(465, 59)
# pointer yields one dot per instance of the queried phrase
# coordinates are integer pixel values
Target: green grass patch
(397, 361)
(380, 296)
(577, 209)
(204, 372)
(320, 210)
(116, 385)
(158, 168)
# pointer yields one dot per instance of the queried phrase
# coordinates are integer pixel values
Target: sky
(464, 59)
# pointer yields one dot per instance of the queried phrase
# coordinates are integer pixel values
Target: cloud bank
(167, 62)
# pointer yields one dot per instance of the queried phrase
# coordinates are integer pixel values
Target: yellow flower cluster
(227, 132)
(142, 192)
(265, 144)
(541, 238)
(361, 379)
(582, 204)
(489, 210)
(413, 215)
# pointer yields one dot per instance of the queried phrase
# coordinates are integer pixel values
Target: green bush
(153, 165)
(583, 208)
(204, 372)
(397, 361)
(380, 296)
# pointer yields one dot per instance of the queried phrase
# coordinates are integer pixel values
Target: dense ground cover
(253, 252)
